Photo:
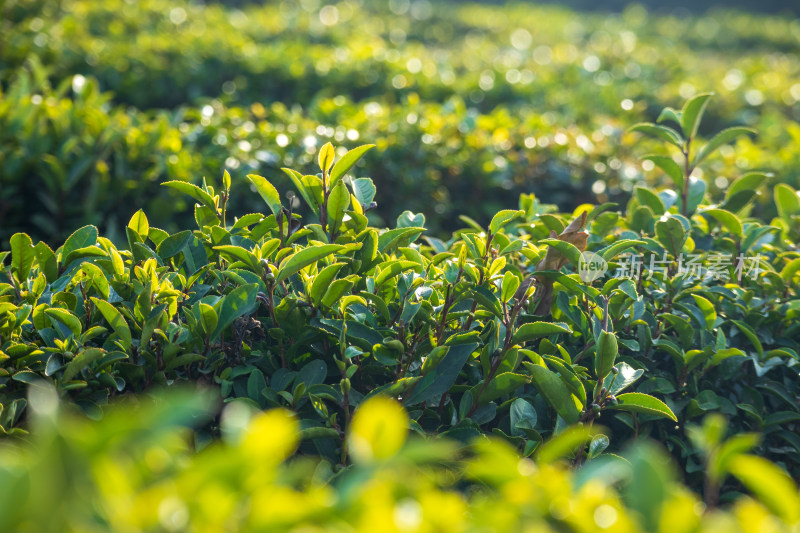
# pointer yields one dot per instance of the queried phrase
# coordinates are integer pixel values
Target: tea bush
(137, 471)
(122, 154)
(502, 329)
(468, 158)
(466, 102)
(69, 160)
(188, 51)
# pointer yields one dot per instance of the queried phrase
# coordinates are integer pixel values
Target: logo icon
(591, 266)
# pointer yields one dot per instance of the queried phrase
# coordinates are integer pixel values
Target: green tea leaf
(730, 221)
(238, 302)
(301, 259)
(325, 158)
(502, 218)
(237, 253)
(322, 281)
(443, 376)
(564, 444)
(788, 272)
(787, 200)
(139, 224)
(346, 162)
(194, 191)
(66, 318)
(523, 417)
(535, 330)
(338, 202)
(709, 313)
(81, 239)
(750, 334)
(669, 113)
(625, 377)
(208, 318)
(647, 197)
(47, 262)
(80, 253)
(173, 245)
(720, 139)
(554, 391)
(509, 286)
(663, 133)
(697, 191)
(749, 182)
(499, 386)
(598, 445)
(638, 402)
(183, 360)
(567, 249)
(393, 268)
(305, 191)
(606, 354)
(671, 234)
(81, 361)
(390, 239)
(670, 167)
(364, 191)
(94, 277)
(610, 252)
(692, 114)
(22, 256)
(268, 192)
(115, 320)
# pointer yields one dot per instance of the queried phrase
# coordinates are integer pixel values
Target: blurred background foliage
(137, 470)
(470, 104)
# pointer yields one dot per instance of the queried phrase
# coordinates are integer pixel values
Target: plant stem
(687, 171)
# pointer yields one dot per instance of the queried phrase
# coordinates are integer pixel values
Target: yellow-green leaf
(66, 318)
(346, 162)
(637, 402)
(325, 157)
(115, 320)
(268, 192)
(298, 260)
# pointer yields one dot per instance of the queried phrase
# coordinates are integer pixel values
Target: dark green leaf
(173, 244)
(240, 301)
(671, 234)
(535, 330)
(364, 191)
(443, 376)
(555, 392)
